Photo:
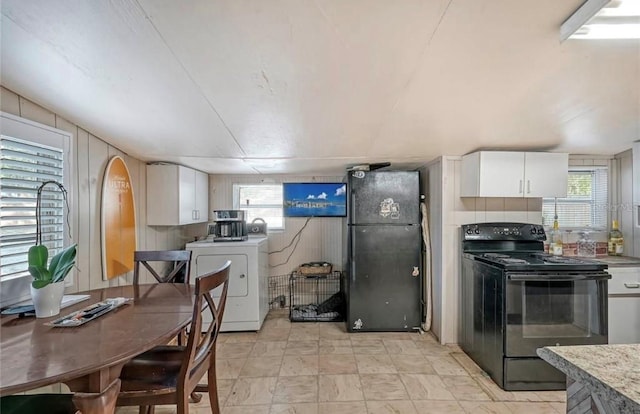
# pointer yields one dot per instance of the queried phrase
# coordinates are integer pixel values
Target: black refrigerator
(383, 260)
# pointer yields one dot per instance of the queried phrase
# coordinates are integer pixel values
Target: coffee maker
(229, 225)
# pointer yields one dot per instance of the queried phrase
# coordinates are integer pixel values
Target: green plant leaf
(38, 255)
(39, 273)
(62, 262)
(61, 272)
(39, 284)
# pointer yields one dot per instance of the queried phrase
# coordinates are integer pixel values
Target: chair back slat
(180, 259)
(200, 345)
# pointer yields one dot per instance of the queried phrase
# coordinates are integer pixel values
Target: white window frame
(16, 289)
(596, 203)
(237, 206)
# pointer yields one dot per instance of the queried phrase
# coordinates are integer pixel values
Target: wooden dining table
(89, 358)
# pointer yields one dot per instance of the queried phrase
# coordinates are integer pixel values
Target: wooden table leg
(97, 392)
(93, 403)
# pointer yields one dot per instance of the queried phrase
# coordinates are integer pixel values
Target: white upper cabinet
(176, 195)
(514, 174)
(636, 177)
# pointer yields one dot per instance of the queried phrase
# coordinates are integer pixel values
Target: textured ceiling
(313, 86)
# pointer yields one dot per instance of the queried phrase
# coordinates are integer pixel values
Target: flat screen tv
(314, 199)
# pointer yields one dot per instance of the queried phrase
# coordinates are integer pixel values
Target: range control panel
(503, 231)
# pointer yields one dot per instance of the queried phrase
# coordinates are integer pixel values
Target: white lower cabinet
(624, 305)
(247, 297)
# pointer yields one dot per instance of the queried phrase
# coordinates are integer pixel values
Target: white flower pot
(47, 299)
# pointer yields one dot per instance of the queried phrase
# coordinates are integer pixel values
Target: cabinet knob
(242, 276)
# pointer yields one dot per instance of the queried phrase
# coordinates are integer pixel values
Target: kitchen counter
(618, 261)
(603, 377)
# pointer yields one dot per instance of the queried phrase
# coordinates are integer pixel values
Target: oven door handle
(558, 277)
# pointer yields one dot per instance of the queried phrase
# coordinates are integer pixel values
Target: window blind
(586, 203)
(260, 201)
(25, 165)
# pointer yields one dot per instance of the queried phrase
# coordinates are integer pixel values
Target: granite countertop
(612, 371)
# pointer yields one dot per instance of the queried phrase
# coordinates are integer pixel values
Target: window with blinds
(25, 165)
(586, 203)
(260, 201)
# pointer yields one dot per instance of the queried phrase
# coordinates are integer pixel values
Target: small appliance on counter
(258, 227)
(229, 225)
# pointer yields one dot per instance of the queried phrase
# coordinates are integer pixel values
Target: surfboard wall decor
(118, 221)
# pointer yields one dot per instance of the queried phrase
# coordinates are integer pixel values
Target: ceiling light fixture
(603, 19)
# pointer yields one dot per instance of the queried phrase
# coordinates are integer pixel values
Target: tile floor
(317, 368)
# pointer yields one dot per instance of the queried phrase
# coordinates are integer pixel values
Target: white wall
(92, 155)
(624, 200)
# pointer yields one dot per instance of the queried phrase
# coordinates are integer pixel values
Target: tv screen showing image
(314, 199)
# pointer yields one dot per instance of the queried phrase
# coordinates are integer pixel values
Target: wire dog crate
(316, 297)
(279, 292)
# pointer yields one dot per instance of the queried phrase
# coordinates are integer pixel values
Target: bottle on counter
(555, 240)
(616, 240)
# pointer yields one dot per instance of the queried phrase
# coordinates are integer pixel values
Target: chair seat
(155, 370)
(38, 403)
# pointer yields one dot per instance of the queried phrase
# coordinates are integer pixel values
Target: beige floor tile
(337, 364)
(446, 365)
(335, 347)
(478, 407)
(301, 348)
(300, 408)
(277, 322)
(369, 350)
(530, 407)
(339, 388)
(299, 365)
(425, 387)
(560, 408)
(229, 368)
(438, 407)
(365, 340)
(375, 364)
(304, 335)
(401, 347)
(383, 387)
(274, 334)
(355, 407)
(228, 350)
(425, 337)
(333, 330)
(252, 391)
(416, 364)
(467, 363)
(240, 337)
(465, 388)
(224, 389)
(261, 367)
(498, 394)
(391, 407)
(430, 349)
(247, 409)
(552, 396)
(300, 389)
(268, 349)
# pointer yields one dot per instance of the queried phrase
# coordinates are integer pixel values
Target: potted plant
(47, 287)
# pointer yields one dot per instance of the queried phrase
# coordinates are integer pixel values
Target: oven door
(554, 309)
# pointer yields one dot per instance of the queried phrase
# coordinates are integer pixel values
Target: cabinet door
(201, 197)
(238, 274)
(501, 174)
(187, 195)
(624, 305)
(545, 174)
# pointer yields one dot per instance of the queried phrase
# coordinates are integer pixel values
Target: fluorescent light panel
(603, 19)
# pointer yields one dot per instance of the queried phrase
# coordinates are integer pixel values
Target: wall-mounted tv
(314, 199)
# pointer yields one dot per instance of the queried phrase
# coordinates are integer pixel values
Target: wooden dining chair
(168, 374)
(180, 260)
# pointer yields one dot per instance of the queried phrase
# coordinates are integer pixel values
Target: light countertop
(619, 261)
(612, 371)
